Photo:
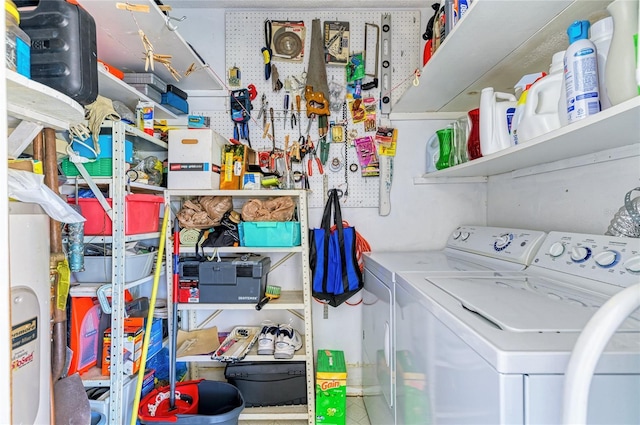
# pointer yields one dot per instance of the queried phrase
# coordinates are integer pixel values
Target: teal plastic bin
(269, 233)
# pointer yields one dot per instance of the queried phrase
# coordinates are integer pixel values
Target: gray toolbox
(234, 280)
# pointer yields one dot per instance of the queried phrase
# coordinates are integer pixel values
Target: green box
(331, 388)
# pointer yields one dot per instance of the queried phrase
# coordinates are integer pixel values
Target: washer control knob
(607, 258)
(456, 234)
(580, 254)
(502, 241)
(633, 264)
(465, 235)
(556, 249)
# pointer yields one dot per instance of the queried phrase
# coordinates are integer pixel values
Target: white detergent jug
(541, 112)
(496, 113)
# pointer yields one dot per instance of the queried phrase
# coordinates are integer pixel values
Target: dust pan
(72, 403)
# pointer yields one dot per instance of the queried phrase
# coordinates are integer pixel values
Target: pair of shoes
(281, 341)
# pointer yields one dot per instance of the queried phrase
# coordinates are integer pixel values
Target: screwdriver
(285, 107)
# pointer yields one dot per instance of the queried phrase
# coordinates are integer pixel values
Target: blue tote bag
(332, 257)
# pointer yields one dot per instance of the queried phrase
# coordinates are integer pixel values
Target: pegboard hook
(416, 77)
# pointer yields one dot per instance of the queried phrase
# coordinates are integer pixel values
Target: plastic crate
(141, 215)
(97, 269)
(106, 148)
(102, 167)
(269, 233)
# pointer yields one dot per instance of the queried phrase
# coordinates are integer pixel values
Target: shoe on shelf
(267, 338)
(288, 341)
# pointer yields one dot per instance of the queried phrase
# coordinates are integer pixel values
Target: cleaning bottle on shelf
(521, 88)
(581, 73)
(496, 113)
(601, 34)
(620, 78)
(541, 112)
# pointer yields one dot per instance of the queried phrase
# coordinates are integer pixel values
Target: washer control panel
(609, 259)
(516, 245)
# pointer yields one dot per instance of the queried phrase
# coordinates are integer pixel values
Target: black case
(63, 48)
(269, 383)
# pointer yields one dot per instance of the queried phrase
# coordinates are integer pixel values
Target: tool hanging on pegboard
(385, 57)
(241, 114)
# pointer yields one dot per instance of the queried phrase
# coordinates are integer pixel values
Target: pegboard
(245, 37)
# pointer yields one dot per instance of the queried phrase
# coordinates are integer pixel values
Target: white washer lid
(512, 306)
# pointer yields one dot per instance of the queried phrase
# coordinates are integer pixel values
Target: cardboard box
(331, 388)
(194, 159)
(236, 161)
(133, 338)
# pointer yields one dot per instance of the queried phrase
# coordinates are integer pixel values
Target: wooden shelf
(120, 45)
(494, 45)
(35, 102)
(614, 127)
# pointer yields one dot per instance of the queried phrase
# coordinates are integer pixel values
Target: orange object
(84, 337)
(316, 102)
(112, 70)
(133, 337)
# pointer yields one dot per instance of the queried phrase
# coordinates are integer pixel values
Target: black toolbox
(269, 383)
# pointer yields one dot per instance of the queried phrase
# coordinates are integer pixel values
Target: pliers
(312, 156)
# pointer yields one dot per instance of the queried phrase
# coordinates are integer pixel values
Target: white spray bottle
(581, 73)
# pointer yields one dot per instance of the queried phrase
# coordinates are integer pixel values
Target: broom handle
(152, 305)
(174, 318)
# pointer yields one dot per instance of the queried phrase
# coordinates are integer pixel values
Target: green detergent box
(331, 388)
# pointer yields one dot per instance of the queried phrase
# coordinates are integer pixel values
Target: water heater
(30, 312)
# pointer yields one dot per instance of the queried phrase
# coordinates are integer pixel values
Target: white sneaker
(288, 341)
(267, 338)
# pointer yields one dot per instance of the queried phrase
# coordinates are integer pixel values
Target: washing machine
(494, 350)
(469, 250)
(30, 312)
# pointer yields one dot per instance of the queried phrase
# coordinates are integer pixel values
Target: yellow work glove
(98, 111)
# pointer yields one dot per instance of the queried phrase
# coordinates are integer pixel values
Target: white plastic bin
(97, 269)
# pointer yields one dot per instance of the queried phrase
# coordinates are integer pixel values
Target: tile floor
(356, 413)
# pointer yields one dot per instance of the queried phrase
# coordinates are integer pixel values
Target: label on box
(189, 166)
(188, 292)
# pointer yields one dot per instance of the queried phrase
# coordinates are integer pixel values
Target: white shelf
(120, 45)
(239, 249)
(289, 300)
(89, 289)
(281, 413)
(494, 44)
(246, 193)
(127, 238)
(612, 128)
(141, 140)
(252, 356)
(116, 89)
(35, 102)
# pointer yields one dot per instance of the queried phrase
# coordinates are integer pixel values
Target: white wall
(581, 199)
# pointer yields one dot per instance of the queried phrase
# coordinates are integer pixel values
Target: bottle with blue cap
(581, 73)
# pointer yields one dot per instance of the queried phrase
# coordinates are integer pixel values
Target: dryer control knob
(456, 234)
(556, 250)
(633, 264)
(465, 235)
(580, 254)
(607, 258)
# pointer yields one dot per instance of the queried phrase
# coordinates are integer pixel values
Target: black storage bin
(63, 47)
(269, 383)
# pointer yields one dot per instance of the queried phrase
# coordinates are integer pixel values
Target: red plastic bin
(141, 215)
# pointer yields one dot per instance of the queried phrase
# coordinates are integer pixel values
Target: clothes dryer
(495, 349)
(470, 250)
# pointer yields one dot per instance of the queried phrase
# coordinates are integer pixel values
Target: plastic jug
(433, 152)
(621, 66)
(540, 114)
(496, 112)
(601, 34)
